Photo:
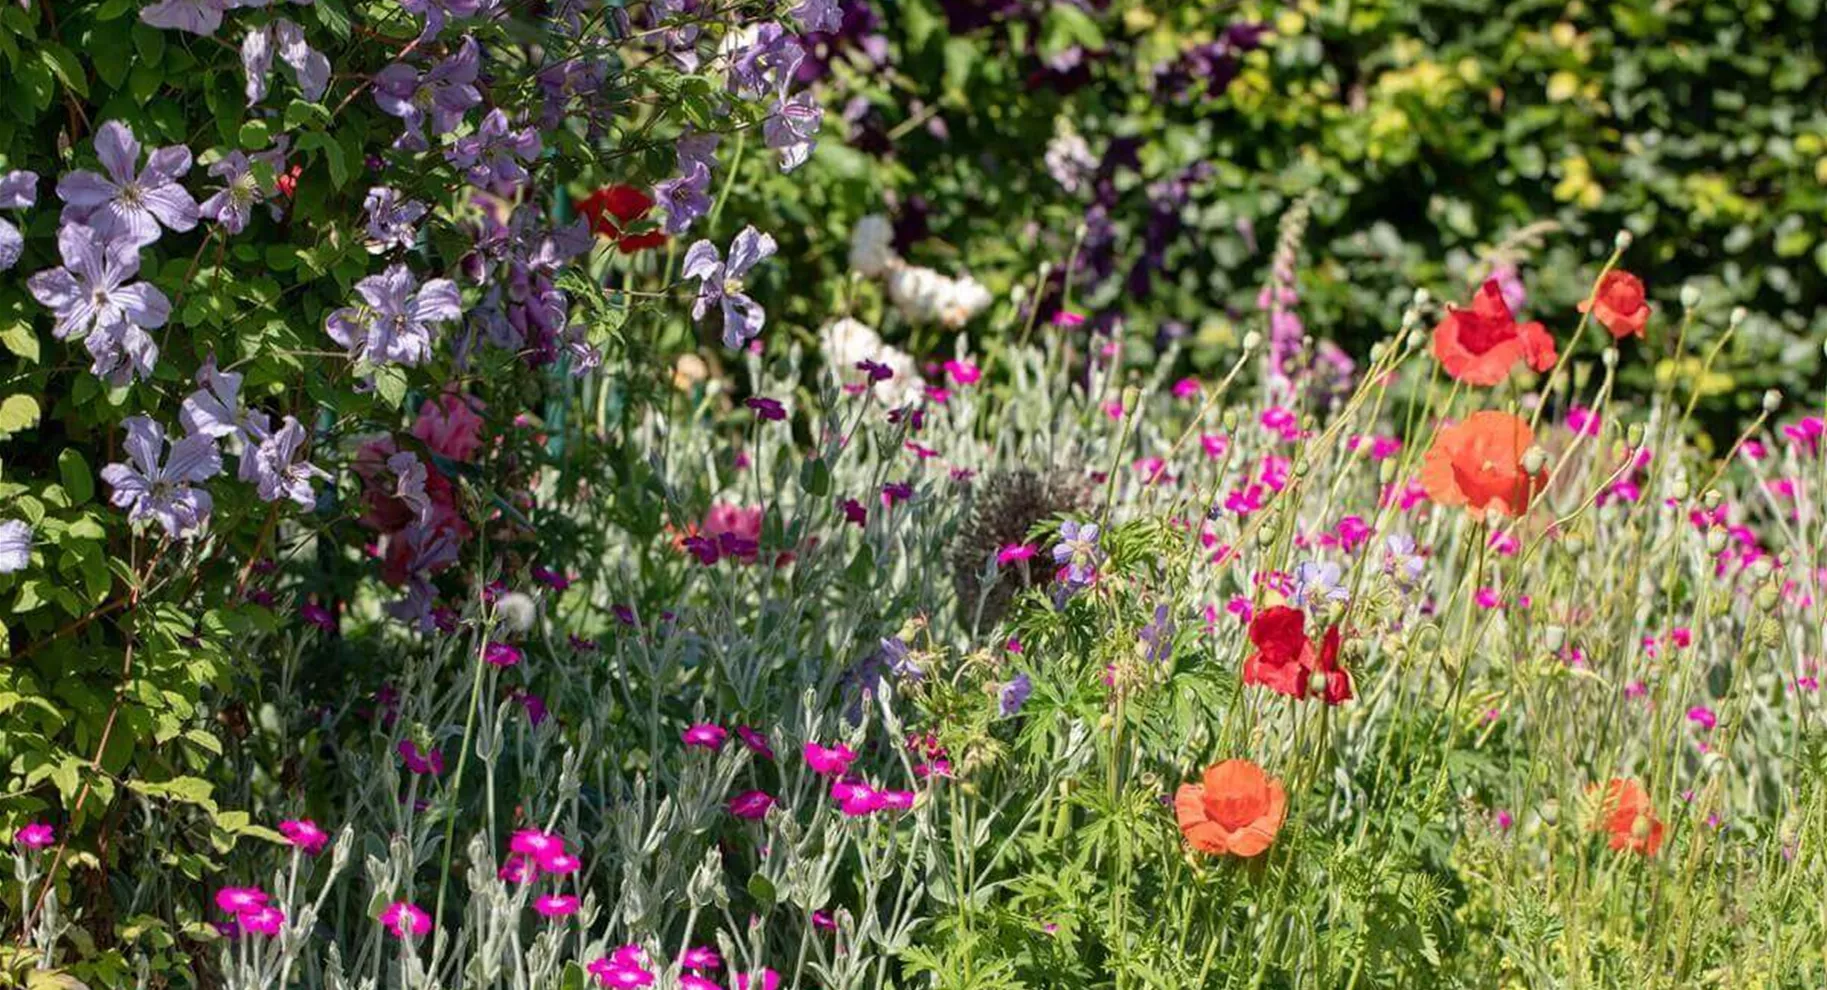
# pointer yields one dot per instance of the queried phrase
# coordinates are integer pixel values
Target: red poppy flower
(1338, 681)
(612, 209)
(1235, 809)
(1480, 345)
(1478, 464)
(1619, 305)
(1285, 661)
(1629, 818)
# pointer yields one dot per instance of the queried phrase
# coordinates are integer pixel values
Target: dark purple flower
(309, 66)
(703, 548)
(125, 201)
(274, 462)
(155, 486)
(896, 491)
(214, 410)
(720, 284)
(439, 98)
(791, 129)
(392, 220)
(490, 157)
(399, 320)
(766, 408)
(90, 292)
(874, 370)
(856, 512)
(1011, 696)
(318, 616)
(18, 191)
(196, 16)
(556, 580)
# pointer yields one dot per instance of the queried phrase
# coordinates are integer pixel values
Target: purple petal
(18, 190)
(196, 16)
(145, 442)
(172, 204)
(194, 458)
(747, 250)
(15, 546)
(257, 60)
(437, 301)
(702, 262)
(118, 150)
(127, 484)
(742, 320)
(143, 303)
(12, 245)
(58, 291)
(85, 190)
(166, 165)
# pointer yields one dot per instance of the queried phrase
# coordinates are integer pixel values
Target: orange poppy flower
(1629, 818)
(1236, 810)
(1480, 345)
(1619, 305)
(1477, 463)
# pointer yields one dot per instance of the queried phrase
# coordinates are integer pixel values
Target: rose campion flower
(751, 805)
(769, 980)
(274, 462)
(36, 835)
(701, 957)
(392, 221)
(501, 655)
(399, 320)
(720, 284)
(405, 920)
(15, 546)
(91, 291)
(304, 834)
(556, 905)
(438, 98)
(287, 40)
(705, 735)
(419, 761)
(18, 191)
(829, 761)
(125, 202)
(262, 921)
(147, 488)
(235, 900)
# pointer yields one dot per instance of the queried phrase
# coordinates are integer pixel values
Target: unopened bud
(1534, 460)
(1386, 473)
(1773, 400)
(1576, 545)
(1640, 827)
(1316, 683)
(1772, 634)
(1301, 467)
(1711, 499)
(1551, 812)
(1767, 597)
(1633, 435)
(1738, 316)
(1377, 350)
(1761, 568)
(1132, 397)
(1251, 341)
(1690, 296)
(1715, 540)
(1680, 489)
(1422, 298)
(1416, 339)
(1609, 357)
(1623, 240)
(1554, 637)
(1265, 537)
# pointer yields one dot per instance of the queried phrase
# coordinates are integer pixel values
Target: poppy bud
(1378, 350)
(1634, 435)
(1534, 459)
(1715, 540)
(1251, 341)
(1711, 499)
(1576, 545)
(1416, 339)
(1301, 467)
(1387, 472)
(1680, 489)
(1773, 400)
(1761, 568)
(1265, 537)
(1422, 298)
(1690, 296)
(1551, 812)
(1772, 634)
(1316, 683)
(1713, 762)
(1609, 356)
(1554, 637)
(1229, 420)
(1640, 827)
(1132, 397)
(1623, 240)
(1738, 316)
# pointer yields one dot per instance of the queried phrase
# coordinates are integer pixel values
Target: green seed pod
(1575, 545)
(1772, 634)
(1609, 357)
(1773, 400)
(1551, 812)
(1680, 490)
(1767, 598)
(1715, 540)
(1251, 341)
(1416, 339)
(1132, 397)
(1386, 472)
(1622, 241)
(1711, 499)
(1301, 467)
(1265, 537)
(1633, 437)
(1690, 296)
(1229, 420)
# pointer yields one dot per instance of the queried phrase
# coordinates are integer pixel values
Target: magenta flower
(769, 409)
(35, 835)
(824, 921)
(627, 967)
(963, 372)
(705, 735)
(536, 844)
(755, 741)
(501, 654)
(1013, 553)
(420, 761)
(1702, 716)
(318, 616)
(875, 371)
(238, 900)
(405, 920)
(701, 957)
(262, 921)
(895, 491)
(556, 905)
(304, 834)
(560, 864)
(828, 761)
(770, 980)
(692, 981)
(751, 805)
(855, 798)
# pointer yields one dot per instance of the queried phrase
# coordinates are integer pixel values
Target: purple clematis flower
(436, 12)
(287, 39)
(18, 191)
(214, 410)
(720, 284)
(686, 197)
(768, 64)
(90, 292)
(820, 15)
(232, 206)
(439, 98)
(196, 16)
(274, 462)
(392, 221)
(490, 158)
(147, 488)
(399, 320)
(15, 546)
(122, 201)
(123, 353)
(410, 475)
(791, 129)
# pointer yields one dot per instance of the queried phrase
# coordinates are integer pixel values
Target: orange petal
(1236, 793)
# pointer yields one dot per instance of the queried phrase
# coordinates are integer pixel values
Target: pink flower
(556, 580)
(1352, 532)
(1487, 598)
(1506, 544)
(692, 981)
(1186, 388)
(855, 512)
(405, 920)
(305, 835)
(517, 869)
(1583, 421)
(963, 372)
(501, 654)
(240, 900)
(855, 798)
(419, 761)
(704, 735)
(533, 843)
(1681, 636)
(1504, 821)
(1014, 552)
(318, 616)
(829, 761)
(701, 957)
(755, 741)
(1702, 716)
(1152, 469)
(559, 864)
(1755, 450)
(1636, 689)
(1067, 318)
(1114, 409)
(556, 905)
(1281, 422)
(822, 920)
(770, 980)
(898, 800)
(262, 921)
(36, 835)
(1214, 444)
(751, 805)
(450, 426)
(611, 973)
(895, 491)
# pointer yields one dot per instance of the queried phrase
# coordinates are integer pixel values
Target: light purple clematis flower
(214, 409)
(820, 15)
(768, 64)
(720, 284)
(392, 220)
(123, 352)
(791, 129)
(156, 486)
(399, 320)
(15, 546)
(436, 12)
(274, 462)
(18, 191)
(232, 206)
(686, 197)
(490, 157)
(90, 292)
(439, 98)
(287, 40)
(196, 16)
(123, 201)
(409, 487)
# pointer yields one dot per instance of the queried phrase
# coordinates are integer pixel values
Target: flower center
(732, 287)
(132, 195)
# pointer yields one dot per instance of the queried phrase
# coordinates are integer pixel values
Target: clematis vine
(130, 201)
(92, 291)
(154, 485)
(720, 284)
(399, 318)
(18, 191)
(232, 206)
(438, 98)
(287, 40)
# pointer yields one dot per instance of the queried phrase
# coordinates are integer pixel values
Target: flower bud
(1386, 472)
(1738, 316)
(1767, 597)
(1761, 568)
(1715, 540)
(1316, 683)
(1576, 545)
(1551, 812)
(1773, 400)
(1251, 341)
(1301, 467)
(1640, 827)
(1534, 460)
(1623, 240)
(1132, 397)
(1378, 350)
(1690, 296)
(1265, 536)
(1416, 340)
(1772, 634)
(1229, 420)
(1633, 435)
(1711, 499)
(1680, 489)
(1422, 298)
(1609, 357)
(1554, 637)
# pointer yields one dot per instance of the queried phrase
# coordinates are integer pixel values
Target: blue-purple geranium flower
(287, 40)
(274, 462)
(438, 98)
(1077, 550)
(18, 191)
(720, 284)
(126, 201)
(1318, 581)
(399, 319)
(1011, 696)
(1158, 635)
(152, 485)
(92, 290)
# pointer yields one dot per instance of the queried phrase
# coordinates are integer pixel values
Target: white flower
(968, 298)
(906, 387)
(925, 296)
(872, 246)
(846, 342)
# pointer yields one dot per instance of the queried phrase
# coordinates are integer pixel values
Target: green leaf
(255, 135)
(18, 412)
(74, 471)
(189, 790)
(761, 889)
(299, 113)
(390, 382)
(113, 9)
(19, 338)
(65, 67)
(815, 477)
